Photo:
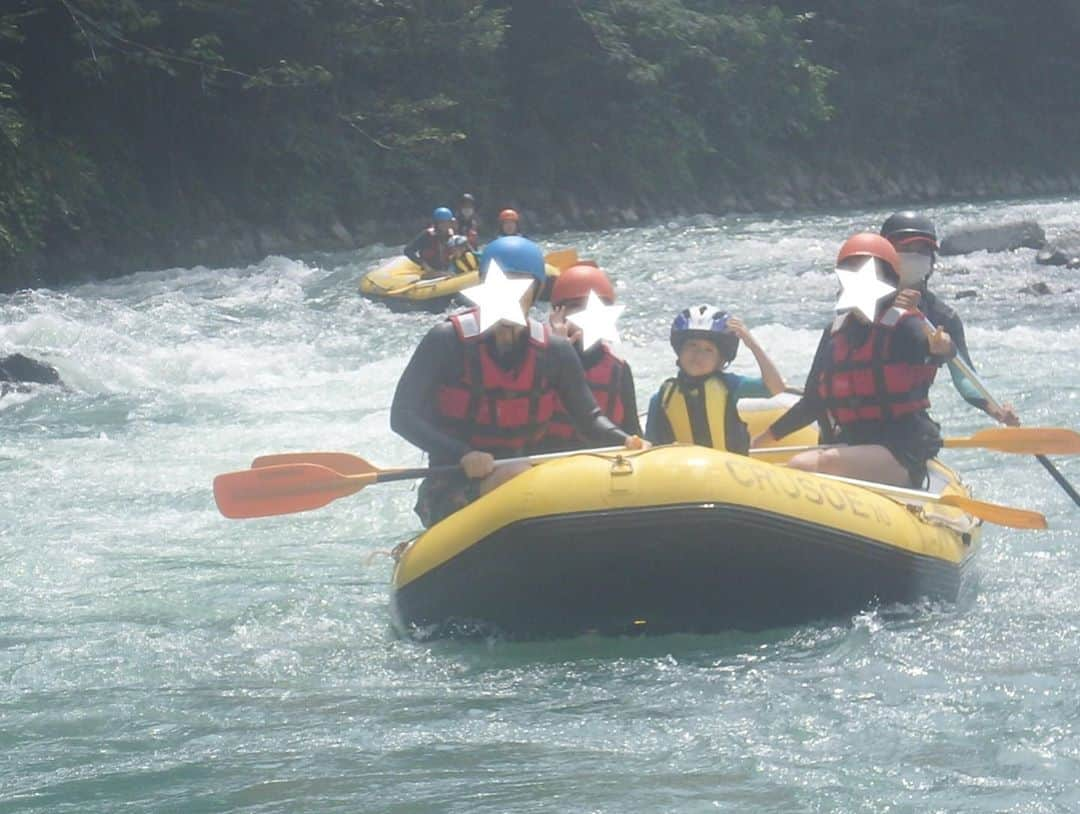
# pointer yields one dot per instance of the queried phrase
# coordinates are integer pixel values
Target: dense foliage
(131, 123)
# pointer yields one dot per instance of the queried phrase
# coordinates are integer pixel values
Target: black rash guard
(439, 360)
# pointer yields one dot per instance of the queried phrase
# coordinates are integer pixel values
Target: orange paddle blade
(1023, 440)
(274, 490)
(341, 462)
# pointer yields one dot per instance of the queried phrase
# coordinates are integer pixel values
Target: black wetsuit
(439, 360)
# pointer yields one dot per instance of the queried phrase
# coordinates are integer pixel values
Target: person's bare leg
(870, 462)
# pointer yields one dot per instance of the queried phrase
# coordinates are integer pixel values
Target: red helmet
(576, 282)
(867, 244)
(508, 214)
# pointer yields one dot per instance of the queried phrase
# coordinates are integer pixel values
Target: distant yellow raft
(676, 539)
(399, 283)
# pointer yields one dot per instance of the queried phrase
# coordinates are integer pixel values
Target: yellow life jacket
(704, 414)
(466, 263)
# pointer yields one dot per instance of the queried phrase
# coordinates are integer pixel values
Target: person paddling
(474, 392)
(870, 380)
(609, 376)
(698, 406)
(429, 249)
(915, 239)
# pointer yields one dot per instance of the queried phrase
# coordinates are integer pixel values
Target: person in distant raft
(429, 249)
(470, 395)
(870, 380)
(915, 240)
(510, 223)
(463, 259)
(698, 406)
(608, 375)
(466, 221)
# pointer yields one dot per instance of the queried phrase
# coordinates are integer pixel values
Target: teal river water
(155, 657)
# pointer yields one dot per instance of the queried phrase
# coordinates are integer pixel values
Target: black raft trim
(696, 568)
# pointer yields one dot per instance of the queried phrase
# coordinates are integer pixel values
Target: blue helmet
(704, 322)
(515, 255)
(442, 214)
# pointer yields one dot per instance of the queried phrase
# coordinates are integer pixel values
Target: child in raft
(698, 405)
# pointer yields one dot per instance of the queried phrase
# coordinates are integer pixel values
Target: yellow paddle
(990, 512)
(562, 259)
(1047, 464)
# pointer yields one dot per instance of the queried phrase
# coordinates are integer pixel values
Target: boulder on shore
(1005, 237)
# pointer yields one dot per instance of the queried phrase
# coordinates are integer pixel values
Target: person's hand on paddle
(636, 442)
(908, 299)
(1005, 414)
(476, 464)
(940, 343)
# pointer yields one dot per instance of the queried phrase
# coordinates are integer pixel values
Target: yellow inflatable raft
(676, 539)
(399, 284)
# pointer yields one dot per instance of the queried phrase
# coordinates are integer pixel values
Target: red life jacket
(866, 383)
(605, 381)
(436, 253)
(493, 409)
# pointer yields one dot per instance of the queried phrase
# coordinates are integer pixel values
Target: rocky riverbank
(236, 242)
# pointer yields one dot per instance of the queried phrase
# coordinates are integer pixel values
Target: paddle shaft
(1048, 465)
(386, 475)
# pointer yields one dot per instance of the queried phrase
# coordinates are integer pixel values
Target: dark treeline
(131, 130)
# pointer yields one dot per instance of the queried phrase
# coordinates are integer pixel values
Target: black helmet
(467, 196)
(900, 226)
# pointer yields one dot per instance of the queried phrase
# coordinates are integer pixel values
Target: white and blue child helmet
(704, 322)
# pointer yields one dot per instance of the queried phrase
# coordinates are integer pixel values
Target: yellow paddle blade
(274, 490)
(1023, 440)
(995, 512)
(990, 512)
(561, 258)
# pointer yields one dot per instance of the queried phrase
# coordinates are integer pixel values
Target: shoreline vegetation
(140, 134)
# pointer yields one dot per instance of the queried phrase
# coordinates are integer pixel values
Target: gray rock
(1040, 288)
(1051, 256)
(999, 238)
(338, 230)
(271, 241)
(19, 368)
(1074, 263)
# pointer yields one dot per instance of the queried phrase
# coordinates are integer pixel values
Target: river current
(155, 657)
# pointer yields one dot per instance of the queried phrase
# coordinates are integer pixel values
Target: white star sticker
(861, 290)
(498, 298)
(597, 321)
